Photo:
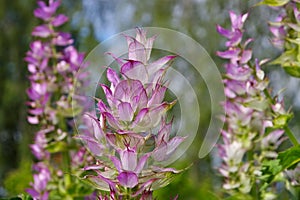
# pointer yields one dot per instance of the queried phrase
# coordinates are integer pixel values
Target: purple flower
(45, 11)
(53, 64)
(248, 113)
(41, 179)
(135, 107)
(42, 31)
(59, 20)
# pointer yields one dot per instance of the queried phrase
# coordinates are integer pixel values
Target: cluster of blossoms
(53, 64)
(255, 122)
(131, 136)
(286, 30)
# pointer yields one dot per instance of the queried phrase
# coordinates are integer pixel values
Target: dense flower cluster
(53, 64)
(126, 138)
(254, 121)
(285, 31)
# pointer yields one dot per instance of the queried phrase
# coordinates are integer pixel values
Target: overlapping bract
(126, 134)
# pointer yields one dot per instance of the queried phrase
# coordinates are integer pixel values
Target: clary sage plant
(131, 136)
(121, 149)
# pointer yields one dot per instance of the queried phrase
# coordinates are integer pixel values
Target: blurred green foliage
(18, 179)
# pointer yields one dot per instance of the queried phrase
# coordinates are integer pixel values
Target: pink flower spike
(237, 21)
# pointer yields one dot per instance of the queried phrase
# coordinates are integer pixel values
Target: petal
(116, 163)
(145, 186)
(63, 39)
(157, 95)
(118, 60)
(173, 144)
(235, 39)
(157, 65)
(94, 146)
(111, 120)
(164, 132)
(33, 119)
(125, 111)
(141, 163)
(246, 56)
(112, 76)
(133, 92)
(97, 130)
(36, 111)
(128, 179)
(128, 159)
(102, 107)
(229, 54)
(110, 98)
(100, 182)
(139, 117)
(42, 31)
(149, 45)
(59, 20)
(160, 152)
(226, 33)
(141, 35)
(137, 52)
(135, 70)
(33, 192)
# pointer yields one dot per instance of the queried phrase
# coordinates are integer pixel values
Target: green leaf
(289, 158)
(56, 147)
(257, 104)
(295, 41)
(286, 57)
(20, 197)
(273, 2)
(240, 197)
(292, 70)
(272, 166)
(282, 120)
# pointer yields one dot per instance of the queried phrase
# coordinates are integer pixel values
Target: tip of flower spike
(237, 21)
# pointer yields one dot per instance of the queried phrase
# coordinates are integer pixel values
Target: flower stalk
(53, 64)
(132, 136)
(255, 122)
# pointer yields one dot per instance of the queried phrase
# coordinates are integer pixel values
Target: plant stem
(291, 136)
